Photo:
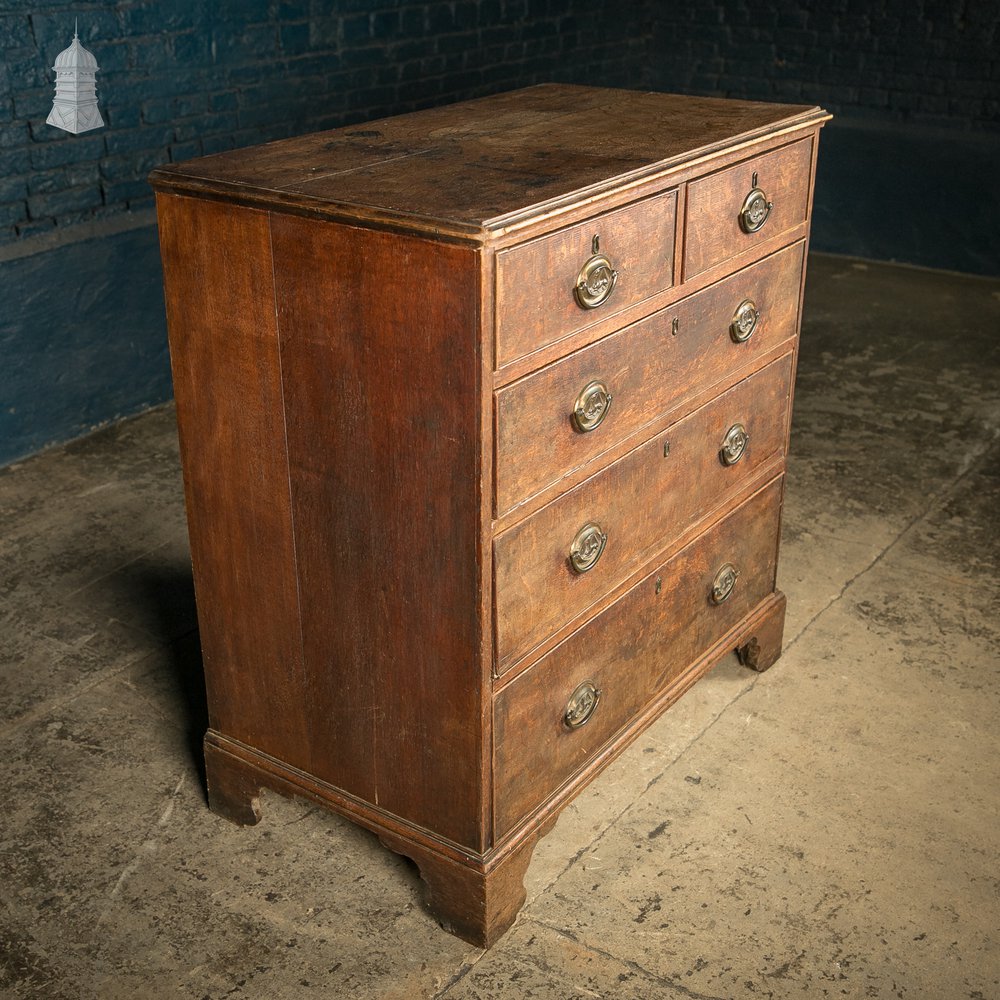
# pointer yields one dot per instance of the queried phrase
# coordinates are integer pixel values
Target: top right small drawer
(733, 210)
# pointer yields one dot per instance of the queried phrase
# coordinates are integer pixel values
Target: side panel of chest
(227, 387)
(380, 375)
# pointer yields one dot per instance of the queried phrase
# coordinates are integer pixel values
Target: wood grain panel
(713, 233)
(227, 383)
(648, 368)
(381, 376)
(535, 303)
(655, 631)
(642, 502)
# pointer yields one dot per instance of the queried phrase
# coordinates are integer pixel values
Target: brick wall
(178, 79)
(917, 62)
(914, 86)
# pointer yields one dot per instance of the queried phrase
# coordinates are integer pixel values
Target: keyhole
(595, 246)
(753, 183)
(659, 583)
(673, 326)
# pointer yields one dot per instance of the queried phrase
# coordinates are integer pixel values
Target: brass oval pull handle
(581, 705)
(745, 321)
(591, 406)
(756, 208)
(595, 282)
(734, 445)
(587, 547)
(724, 584)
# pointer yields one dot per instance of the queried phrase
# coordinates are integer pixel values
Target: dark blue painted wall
(905, 167)
(82, 339)
(909, 193)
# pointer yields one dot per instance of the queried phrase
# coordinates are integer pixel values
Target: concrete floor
(829, 828)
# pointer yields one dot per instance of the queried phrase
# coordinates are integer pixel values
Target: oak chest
(483, 416)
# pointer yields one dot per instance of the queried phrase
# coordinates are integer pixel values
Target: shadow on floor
(161, 598)
(188, 673)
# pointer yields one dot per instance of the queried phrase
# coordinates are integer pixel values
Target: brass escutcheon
(587, 547)
(724, 584)
(734, 445)
(756, 208)
(581, 705)
(744, 321)
(595, 283)
(591, 406)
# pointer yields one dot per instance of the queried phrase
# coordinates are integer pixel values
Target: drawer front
(630, 652)
(645, 369)
(728, 213)
(639, 504)
(538, 294)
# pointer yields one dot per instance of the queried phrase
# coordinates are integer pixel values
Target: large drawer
(639, 504)
(629, 653)
(537, 301)
(733, 210)
(645, 369)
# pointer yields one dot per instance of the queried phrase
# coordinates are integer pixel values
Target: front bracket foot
(749, 654)
(762, 646)
(478, 904)
(233, 790)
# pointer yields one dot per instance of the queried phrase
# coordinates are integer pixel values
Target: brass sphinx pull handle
(756, 208)
(587, 547)
(591, 406)
(734, 445)
(745, 320)
(724, 584)
(581, 705)
(596, 280)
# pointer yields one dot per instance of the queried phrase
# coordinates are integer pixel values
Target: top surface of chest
(470, 168)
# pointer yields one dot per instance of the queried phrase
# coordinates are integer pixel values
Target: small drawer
(558, 284)
(568, 414)
(735, 209)
(551, 720)
(554, 565)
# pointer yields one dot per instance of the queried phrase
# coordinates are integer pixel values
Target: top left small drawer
(553, 286)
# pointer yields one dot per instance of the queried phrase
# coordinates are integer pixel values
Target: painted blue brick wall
(915, 88)
(909, 62)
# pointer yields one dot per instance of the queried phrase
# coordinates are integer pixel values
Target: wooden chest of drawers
(483, 417)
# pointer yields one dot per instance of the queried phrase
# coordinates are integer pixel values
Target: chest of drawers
(483, 416)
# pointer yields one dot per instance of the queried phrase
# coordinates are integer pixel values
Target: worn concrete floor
(827, 829)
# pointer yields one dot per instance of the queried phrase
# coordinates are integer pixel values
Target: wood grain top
(472, 168)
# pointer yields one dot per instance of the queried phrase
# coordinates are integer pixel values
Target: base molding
(761, 646)
(476, 896)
